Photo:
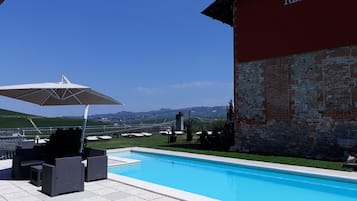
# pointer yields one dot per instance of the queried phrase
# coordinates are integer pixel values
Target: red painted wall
(269, 28)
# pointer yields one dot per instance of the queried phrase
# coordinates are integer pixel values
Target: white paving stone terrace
(103, 190)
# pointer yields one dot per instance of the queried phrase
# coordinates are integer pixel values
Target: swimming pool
(231, 182)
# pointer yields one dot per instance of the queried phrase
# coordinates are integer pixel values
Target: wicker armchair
(25, 157)
(97, 164)
(65, 176)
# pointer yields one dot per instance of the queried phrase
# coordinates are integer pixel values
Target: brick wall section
(297, 105)
(276, 81)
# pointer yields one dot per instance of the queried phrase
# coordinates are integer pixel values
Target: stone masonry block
(292, 104)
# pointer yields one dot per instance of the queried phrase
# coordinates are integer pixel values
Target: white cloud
(188, 85)
(147, 90)
(215, 101)
(196, 84)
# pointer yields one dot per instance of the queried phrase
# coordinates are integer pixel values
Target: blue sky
(146, 54)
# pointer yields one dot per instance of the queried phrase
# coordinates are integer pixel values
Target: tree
(189, 134)
(222, 137)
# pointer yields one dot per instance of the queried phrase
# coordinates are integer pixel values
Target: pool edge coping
(156, 188)
(175, 193)
(160, 189)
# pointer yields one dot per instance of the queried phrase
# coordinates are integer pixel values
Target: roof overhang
(221, 10)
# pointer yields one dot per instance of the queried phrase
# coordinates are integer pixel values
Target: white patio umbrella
(61, 93)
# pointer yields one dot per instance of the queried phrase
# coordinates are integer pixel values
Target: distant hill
(11, 119)
(205, 114)
(9, 113)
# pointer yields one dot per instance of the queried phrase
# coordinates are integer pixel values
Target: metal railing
(8, 146)
(10, 137)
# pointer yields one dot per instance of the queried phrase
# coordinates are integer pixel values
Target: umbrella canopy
(61, 93)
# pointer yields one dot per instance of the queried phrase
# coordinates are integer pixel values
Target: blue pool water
(231, 182)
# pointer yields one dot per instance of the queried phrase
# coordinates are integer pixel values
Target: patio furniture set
(59, 166)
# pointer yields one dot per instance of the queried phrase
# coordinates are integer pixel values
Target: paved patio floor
(102, 190)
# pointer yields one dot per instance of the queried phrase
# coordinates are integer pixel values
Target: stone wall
(297, 105)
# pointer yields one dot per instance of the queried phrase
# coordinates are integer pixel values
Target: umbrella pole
(85, 118)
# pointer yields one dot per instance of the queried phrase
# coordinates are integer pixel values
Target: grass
(160, 142)
(14, 122)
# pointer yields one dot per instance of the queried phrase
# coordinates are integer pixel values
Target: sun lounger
(165, 132)
(179, 132)
(351, 165)
(138, 135)
(105, 137)
(125, 134)
(146, 134)
(200, 133)
(92, 138)
(42, 141)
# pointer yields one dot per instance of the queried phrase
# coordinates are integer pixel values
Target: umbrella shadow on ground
(5, 174)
